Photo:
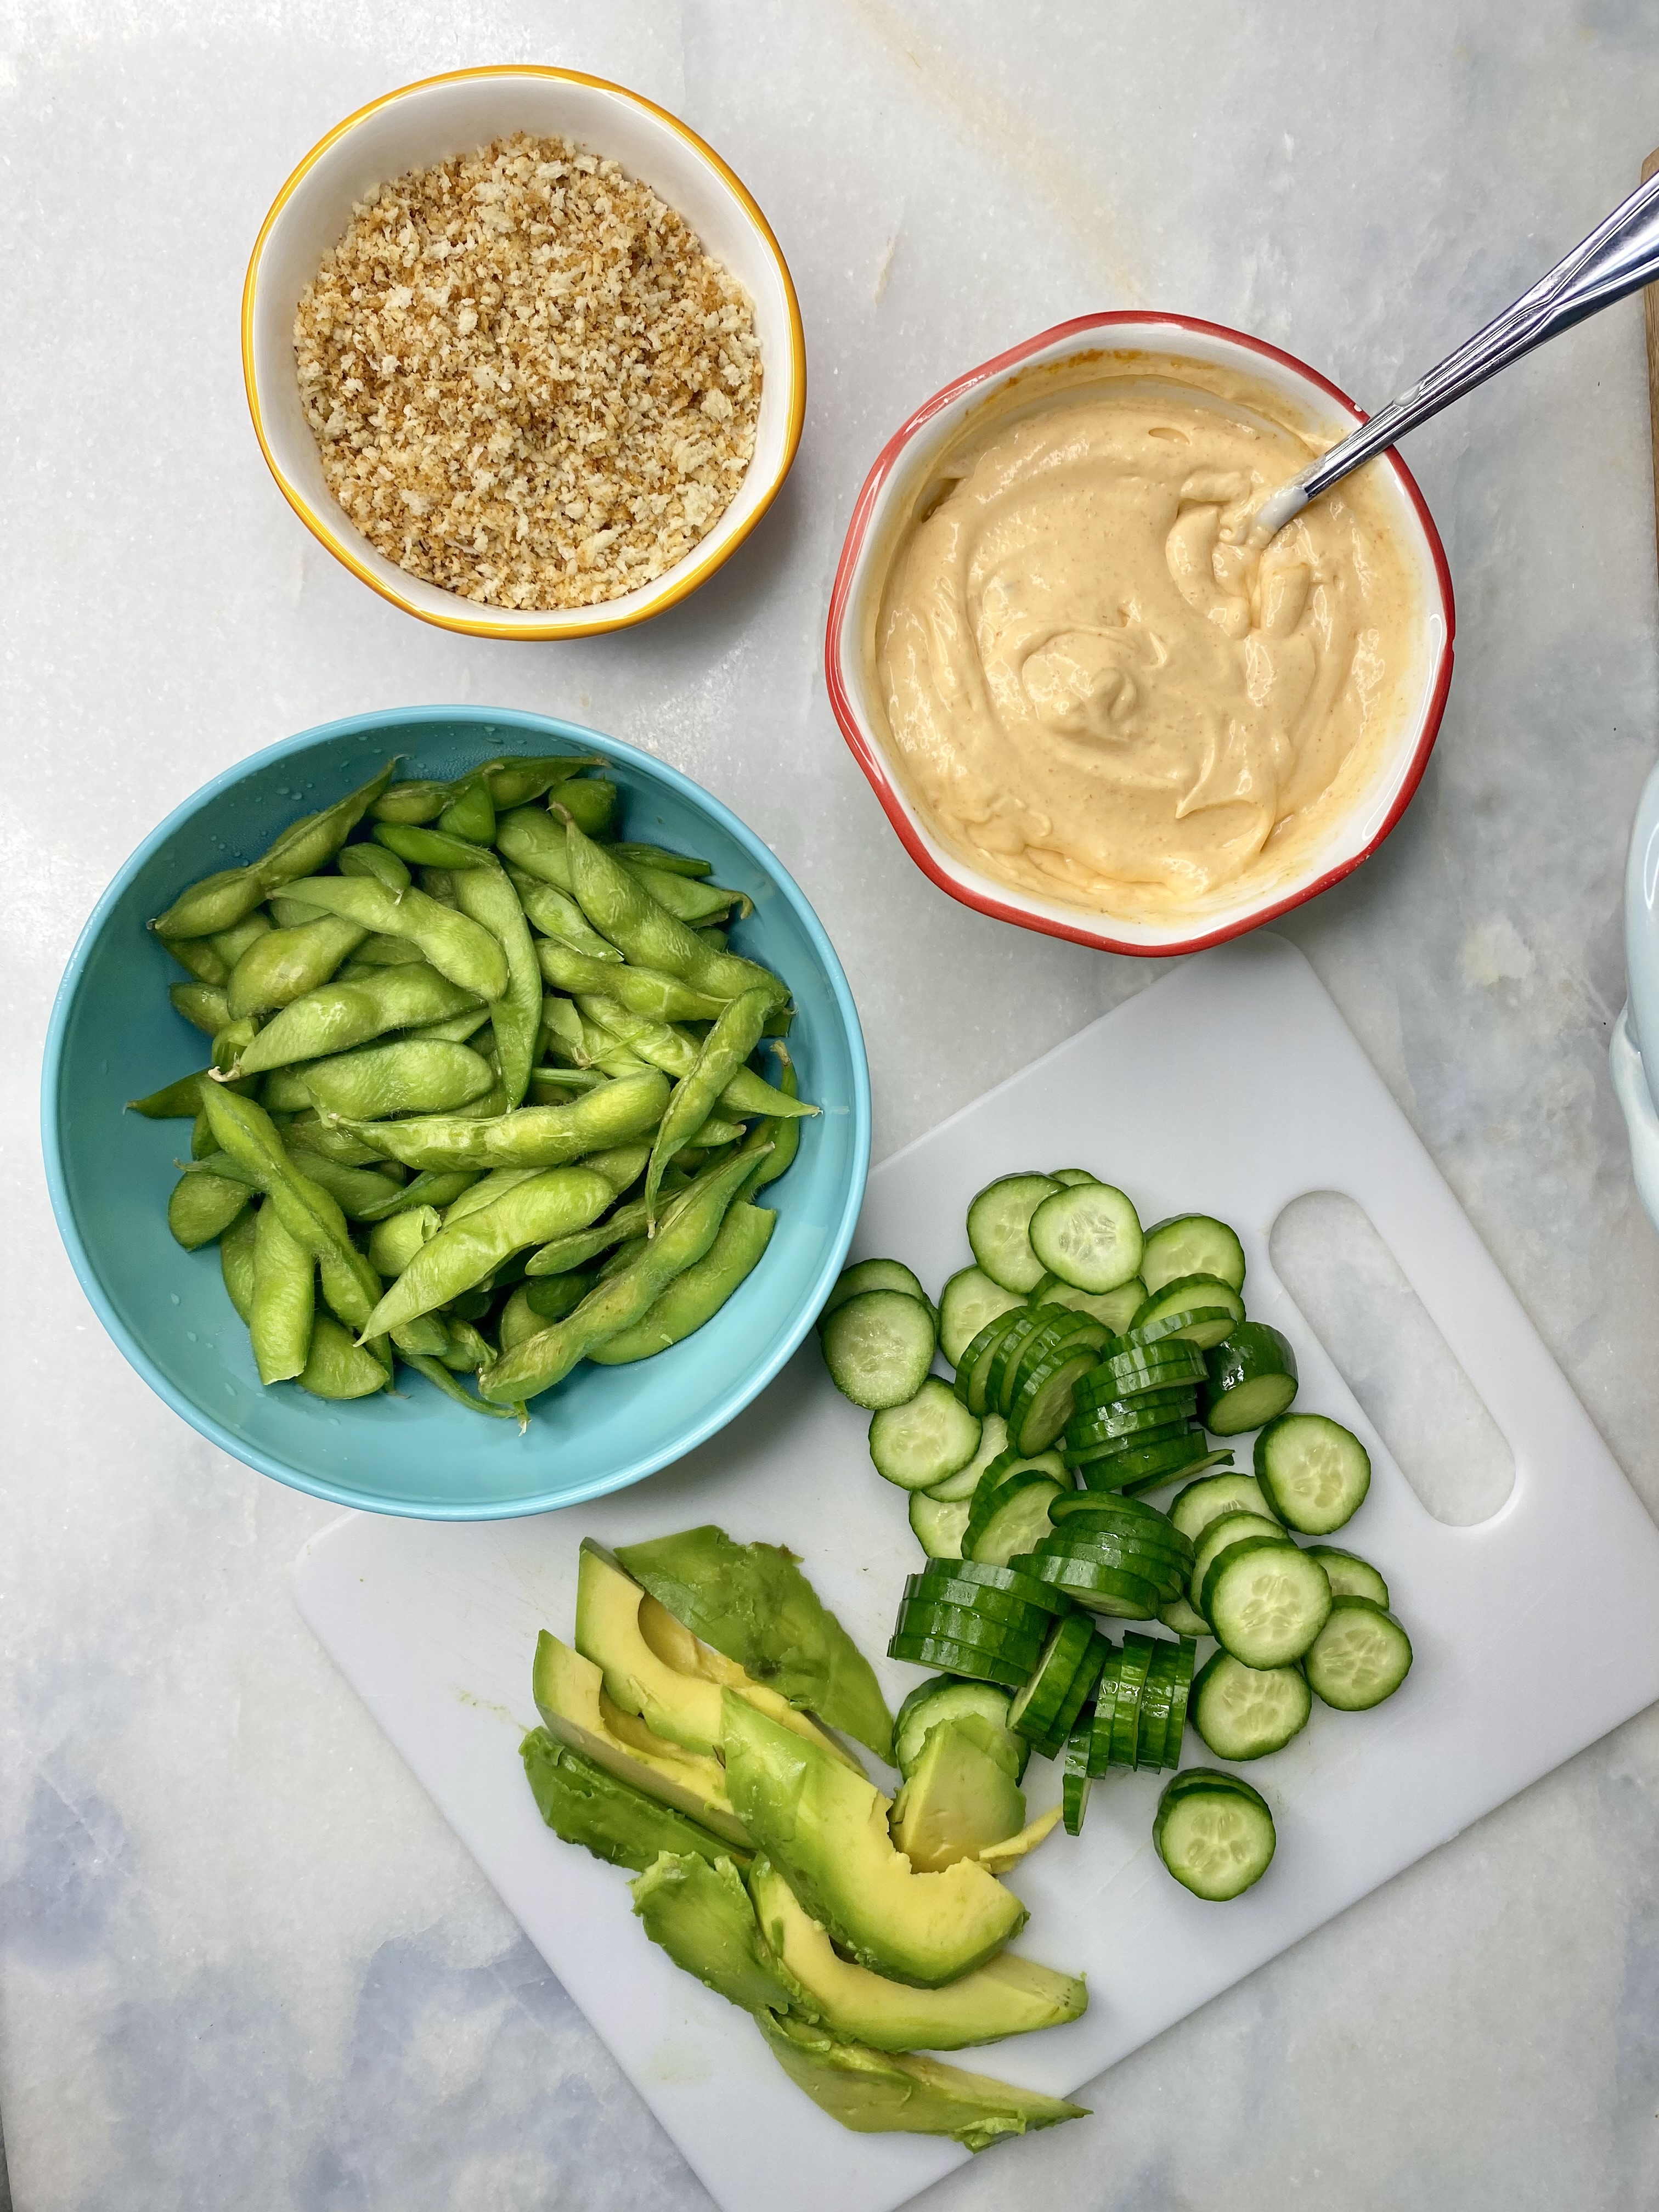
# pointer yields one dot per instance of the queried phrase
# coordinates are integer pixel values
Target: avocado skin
(884, 2092)
(752, 1602)
(700, 1912)
(586, 1805)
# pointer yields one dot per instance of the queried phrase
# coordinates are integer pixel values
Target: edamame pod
(694, 903)
(377, 952)
(221, 901)
(721, 1052)
(181, 1101)
(659, 856)
(352, 1189)
(640, 990)
(202, 1206)
(555, 914)
(512, 781)
(433, 848)
(284, 1299)
(439, 1189)
(285, 963)
(485, 896)
(746, 1095)
(336, 1016)
(230, 1043)
(783, 1136)
(204, 1006)
(397, 1240)
(456, 946)
(236, 1262)
(532, 1136)
(439, 1376)
(336, 1367)
(697, 1294)
(687, 1230)
(592, 801)
(311, 1216)
(371, 859)
(410, 1076)
(308, 1132)
(197, 955)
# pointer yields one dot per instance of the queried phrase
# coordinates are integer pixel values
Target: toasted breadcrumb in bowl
(523, 353)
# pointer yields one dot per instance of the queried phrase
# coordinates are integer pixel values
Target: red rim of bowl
(875, 767)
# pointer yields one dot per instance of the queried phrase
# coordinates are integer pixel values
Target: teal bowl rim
(625, 756)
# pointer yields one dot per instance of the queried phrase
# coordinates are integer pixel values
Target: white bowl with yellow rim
(434, 121)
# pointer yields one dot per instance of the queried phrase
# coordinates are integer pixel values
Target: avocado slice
(957, 1799)
(700, 1914)
(570, 1694)
(752, 1602)
(587, 1804)
(612, 1631)
(1005, 1996)
(825, 1829)
(999, 1858)
(878, 2092)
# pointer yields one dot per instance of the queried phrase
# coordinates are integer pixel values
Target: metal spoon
(1618, 257)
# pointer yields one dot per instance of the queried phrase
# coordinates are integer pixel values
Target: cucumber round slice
(956, 1623)
(878, 1347)
(1205, 1501)
(1061, 1332)
(1165, 1573)
(1120, 1512)
(1266, 1601)
(1081, 1689)
(1075, 1779)
(1216, 1842)
(1089, 1235)
(1016, 1613)
(1143, 1367)
(1100, 1734)
(1042, 1404)
(1350, 1577)
(1004, 1357)
(1017, 1522)
(992, 1442)
(974, 1368)
(1036, 1708)
(1191, 1244)
(872, 1275)
(1178, 1615)
(1133, 1667)
(1026, 1588)
(944, 1698)
(1101, 1589)
(1181, 1668)
(967, 1301)
(1132, 1486)
(1111, 1525)
(1148, 1465)
(998, 1228)
(939, 1523)
(1099, 1459)
(1009, 1462)
(1155, 1711)
(1229, 1528)
(1072, 1176)
(1127, 1421)
(1251, 1378)
(1202, 1308)
(1360, 1656)
(1313, 1471)
(1114, 1310)
(962, 1659)
(1097, 1394)
(1244, 1712)
(924, 1442)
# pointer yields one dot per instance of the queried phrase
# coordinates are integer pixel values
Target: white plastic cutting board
(1232, 1087)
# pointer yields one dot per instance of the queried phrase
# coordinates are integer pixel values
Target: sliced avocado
(999, 1858)
(587, 1804)
(570, 1694)
(701, 1916)
(825, 1829)
(883, 2091)
(1005, 1996)
(685, 1708)
(752, 1602)
(957, 1799)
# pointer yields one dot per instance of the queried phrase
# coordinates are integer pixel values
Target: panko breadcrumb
(528, 382)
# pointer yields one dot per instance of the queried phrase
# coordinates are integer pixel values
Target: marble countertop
(242, 1961)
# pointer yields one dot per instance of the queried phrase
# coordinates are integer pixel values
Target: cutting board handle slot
(1359, 1301)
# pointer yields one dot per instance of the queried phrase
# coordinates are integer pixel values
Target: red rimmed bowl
(1317, 409)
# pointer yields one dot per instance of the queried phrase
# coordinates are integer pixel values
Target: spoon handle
(1620, 255)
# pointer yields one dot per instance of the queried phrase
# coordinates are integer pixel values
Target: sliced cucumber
(1101, 1589)
(1349, 1576)
(1010, 1462)
(872, 1275)
(1191, 1244)
(967, 1301)
(1251, 1379)
(998, 1225)
(1266, 1601)
(1244, 1712)
(1114, 1309)
(926, 1440)
(958, 1624)
(1139, 1368)
(1004, 1358)
(1216, 1837)
(1037, 1707)
(984, 1598)
(962, 1659)
(878, 1347)
(1060, 1331)
(1070, 1175)
(1133, 1669)
(974, 1368)
(1117, 1426)
(1202, 1502)
(944, 1698)
(1231, 1527)
(1042, 1403)
(1155, 1711)
(1121, 1512)
(1313, 1471)
(1089, 1235)
(939, 1523)
(1122, 1556)
(1017, 1522)
(1099, 1735)
(993, 1441)
(1361, 1656)
(1202, 1308)
(1149, 1466)
(1180, 1616)
(1075, 1778)
(1181, 1668)
(1081, 1689)
(1010, 1580)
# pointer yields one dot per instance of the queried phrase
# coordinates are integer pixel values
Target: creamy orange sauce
(1096, 688)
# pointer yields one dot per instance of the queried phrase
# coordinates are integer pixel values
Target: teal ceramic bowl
(114, 1036)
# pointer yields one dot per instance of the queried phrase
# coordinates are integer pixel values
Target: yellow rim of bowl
(597, 620)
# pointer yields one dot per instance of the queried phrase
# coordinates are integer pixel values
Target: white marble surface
(241, 1961)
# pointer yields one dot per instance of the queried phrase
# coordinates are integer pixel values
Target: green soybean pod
(485, 895)
(396, 1240)
(555, 914)
(463, 1252)
(202, 1206)
(658, 856)
(454, 944)
(697, 1296)
(783, 1136)
(438, 884)
(406, 1077)
(746, 1095)
(640, 990)
(180, 1100)
(466, 1350)
(377, 952)
(201, 1138)
(204, 1006)
(561, 1026)
(440, 1378)
(471, 812)
(486, 1190)
(221, 901)
(519, 1319)
(621, 1165)
(439, 1190)
(530, 839)
(688, 1228)
(336, 1016)
(722, 1052)
(372, 860)
(230, 1043)
(530, 1136)
(284, 1299)
(308, 1132)
(352, 1189)
(456, 1030)
(231, 943)
(517, 778)
(236, 1261)
(433, 848)
(590, 800)
(309, 1213)
(196, 954)
(284, 1090)
(695, 903)
(285, 963)
(337, 1368)
(416, 799)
